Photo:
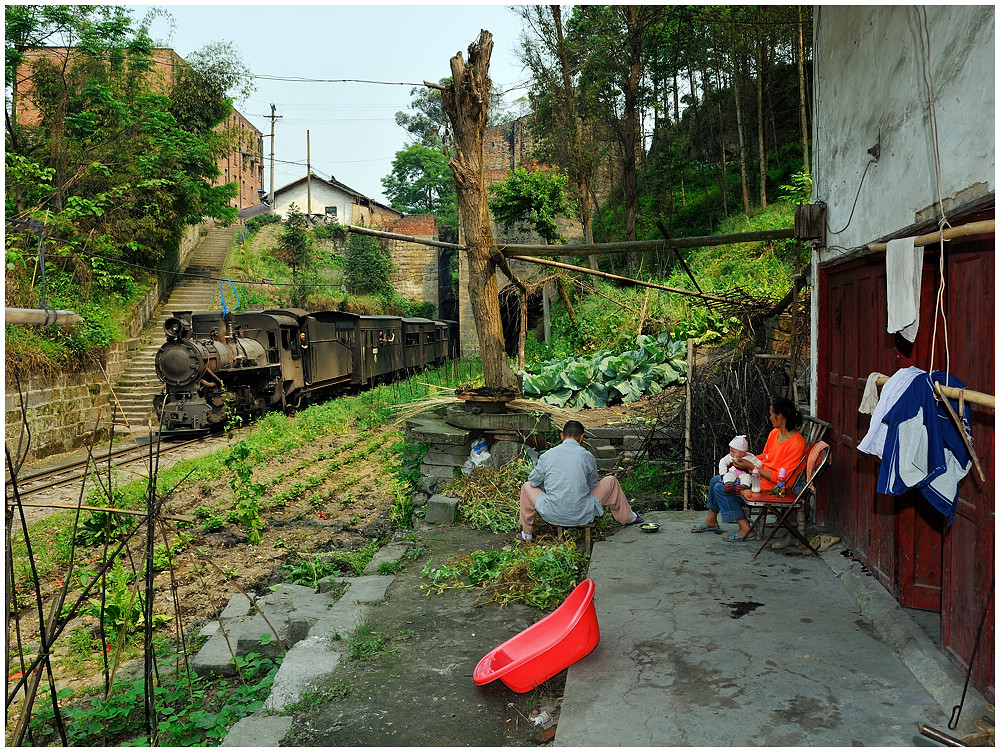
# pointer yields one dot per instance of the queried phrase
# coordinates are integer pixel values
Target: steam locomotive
(250, 363)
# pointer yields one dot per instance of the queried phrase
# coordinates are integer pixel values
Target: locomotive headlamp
(176, 328)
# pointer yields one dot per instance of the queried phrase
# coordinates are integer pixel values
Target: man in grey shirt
(565, 489)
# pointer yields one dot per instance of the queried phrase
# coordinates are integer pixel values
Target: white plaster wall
(869, 78)
(323, 195)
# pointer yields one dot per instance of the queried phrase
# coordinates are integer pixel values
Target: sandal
(738, 538)
(702, 527)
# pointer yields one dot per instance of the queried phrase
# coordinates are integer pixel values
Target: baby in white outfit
(739, 448)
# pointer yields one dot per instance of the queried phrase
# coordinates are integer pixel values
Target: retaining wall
(61, 411)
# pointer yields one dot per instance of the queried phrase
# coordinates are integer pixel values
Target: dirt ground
(420, 691)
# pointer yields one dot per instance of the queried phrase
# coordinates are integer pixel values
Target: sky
(353, 134)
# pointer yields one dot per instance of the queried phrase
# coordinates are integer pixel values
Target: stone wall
(415, 266)
(61, 411)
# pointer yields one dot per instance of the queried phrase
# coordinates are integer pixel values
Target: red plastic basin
(546, 647)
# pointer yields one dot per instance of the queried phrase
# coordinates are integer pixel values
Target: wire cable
(837, 232)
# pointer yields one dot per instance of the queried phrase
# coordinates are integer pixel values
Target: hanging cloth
(903, 267)
(870, 398)
(874, 440)
(923, 449)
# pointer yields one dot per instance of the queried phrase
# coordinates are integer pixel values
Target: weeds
(541, 575)
(191, 710)
(309, 573)
(489, 498)
(366, 642)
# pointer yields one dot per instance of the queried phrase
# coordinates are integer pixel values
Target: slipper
(737, 538)
(701, 527)
(636, 520)
(823, 542)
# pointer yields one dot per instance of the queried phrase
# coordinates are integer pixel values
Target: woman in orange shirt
(785, 448)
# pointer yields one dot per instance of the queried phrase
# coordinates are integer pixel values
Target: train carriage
(454, 340)
(413, 344)
(248, 363)
(380, 339)
(441, 342)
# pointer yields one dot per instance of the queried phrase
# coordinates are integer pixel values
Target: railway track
(73, 472)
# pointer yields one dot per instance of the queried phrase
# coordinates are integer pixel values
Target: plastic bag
(478, 457)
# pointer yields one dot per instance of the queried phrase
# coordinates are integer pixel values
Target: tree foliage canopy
(531, 200)
(115, 155)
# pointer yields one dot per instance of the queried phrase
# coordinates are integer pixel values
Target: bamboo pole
(595, 273)
(977, 398)
(984, 227)
(42, 316)
(512, 250)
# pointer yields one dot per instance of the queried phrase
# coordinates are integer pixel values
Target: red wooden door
(969, 542)
(903, 540)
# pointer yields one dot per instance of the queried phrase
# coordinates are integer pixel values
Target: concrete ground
(702, 645)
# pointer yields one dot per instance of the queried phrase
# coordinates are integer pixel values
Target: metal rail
(74, 471)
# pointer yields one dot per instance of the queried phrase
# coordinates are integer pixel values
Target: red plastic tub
(546, 647)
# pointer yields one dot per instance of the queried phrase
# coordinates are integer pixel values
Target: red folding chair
(765, 502)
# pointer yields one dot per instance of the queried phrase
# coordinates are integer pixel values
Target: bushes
(255, 223)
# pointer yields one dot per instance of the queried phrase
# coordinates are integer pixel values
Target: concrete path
(701, 645)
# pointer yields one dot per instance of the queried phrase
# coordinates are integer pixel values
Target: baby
(731, 476)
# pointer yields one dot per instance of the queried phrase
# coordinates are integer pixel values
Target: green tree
(107, 166)
(421, 182)
(367, 267)
(295, 249)
(427, 123)
(531, 200)
(615, 44)
(562, 139)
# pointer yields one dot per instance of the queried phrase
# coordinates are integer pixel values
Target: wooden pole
(41, 316)
(687, 423)
(595, 273)
(792, 393)
(406, 238)
(512, 249)
(546, 319)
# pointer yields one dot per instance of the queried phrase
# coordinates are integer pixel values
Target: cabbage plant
(605, 378)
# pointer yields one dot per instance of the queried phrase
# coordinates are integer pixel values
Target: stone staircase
(137, 386)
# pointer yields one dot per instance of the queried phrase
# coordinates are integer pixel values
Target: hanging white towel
(903, 267)
(874, 440)
(870, 398)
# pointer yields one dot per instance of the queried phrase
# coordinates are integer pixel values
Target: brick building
(243, 164)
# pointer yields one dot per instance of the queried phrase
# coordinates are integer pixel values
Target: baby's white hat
(740, 443)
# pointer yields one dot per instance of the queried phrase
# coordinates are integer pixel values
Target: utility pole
(272, 118)
(309, 199)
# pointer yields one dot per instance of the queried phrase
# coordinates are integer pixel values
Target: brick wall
(505, 148)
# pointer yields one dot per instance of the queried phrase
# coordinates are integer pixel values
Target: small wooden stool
(587, 538)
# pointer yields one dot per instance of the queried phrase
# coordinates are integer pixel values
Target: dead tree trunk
(465, 102)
